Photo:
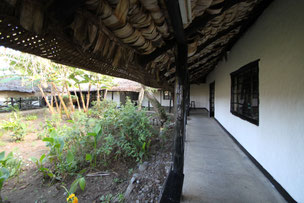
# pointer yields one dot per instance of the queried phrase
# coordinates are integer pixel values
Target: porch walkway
(216, 170)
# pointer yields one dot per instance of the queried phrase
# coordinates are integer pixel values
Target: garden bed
(103, 183)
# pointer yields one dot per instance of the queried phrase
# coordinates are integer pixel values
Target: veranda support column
(170, 105)
(174, 183)
(188, 94)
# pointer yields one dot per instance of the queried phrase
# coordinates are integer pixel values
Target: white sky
(3, 63)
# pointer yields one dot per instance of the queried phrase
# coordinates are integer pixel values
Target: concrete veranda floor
(216, 170)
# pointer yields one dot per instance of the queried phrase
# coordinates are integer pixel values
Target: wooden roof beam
(255, 13)
(204, 57)
(203, 67)
(198, 23)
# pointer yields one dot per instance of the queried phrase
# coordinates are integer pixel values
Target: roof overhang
(127, 38)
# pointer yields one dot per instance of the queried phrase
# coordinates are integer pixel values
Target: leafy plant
(4, 175)
(13, 164)
(49, 126)
(40, 165)
(106, 198)
(31, 117)
(19, 132)
(113, 134)
(79, 181)
(9, 167)
(112, 198)
(15, 125)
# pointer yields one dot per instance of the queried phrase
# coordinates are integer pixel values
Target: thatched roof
(19, 85)
(123, 85)
(128, 39)
(120, 85)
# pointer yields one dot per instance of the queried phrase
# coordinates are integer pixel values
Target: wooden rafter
(197, 24)
(254, 14)
(82, 34)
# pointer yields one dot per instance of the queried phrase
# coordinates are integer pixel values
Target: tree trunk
(157, 106)
(56, 103)
(77, 100)
(46, 100)
(82, 100)
(52, 103)
(70, 97)
(141, 98)
(88, 97)
(98, 95)
(105, 94)
(62, 102)
(60, 109)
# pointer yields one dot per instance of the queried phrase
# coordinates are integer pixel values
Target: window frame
(168, 97)
(252, 67)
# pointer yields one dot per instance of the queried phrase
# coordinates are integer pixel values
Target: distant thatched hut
(119, 92)
(21, 92)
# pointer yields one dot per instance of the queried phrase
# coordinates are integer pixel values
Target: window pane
(245, 92)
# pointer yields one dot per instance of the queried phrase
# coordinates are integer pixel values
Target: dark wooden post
(174, 183)
(149, 105)
(188, 94)
(160, 97)
(39, 100)
(170, 103)
(20, 103)
(12, 101)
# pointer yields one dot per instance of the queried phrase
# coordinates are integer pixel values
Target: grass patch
(31, 117)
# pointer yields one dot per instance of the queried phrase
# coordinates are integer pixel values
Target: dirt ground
(145, 179)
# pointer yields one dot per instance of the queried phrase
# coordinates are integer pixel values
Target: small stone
(136, 175)
(137, 181)
(131, 186)
(167, 168)
(142, 167)
(132, 180)
(141, 196)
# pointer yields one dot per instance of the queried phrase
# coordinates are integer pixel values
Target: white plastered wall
(116, 97)
(159, 96)
(200, 95)
(277, 39)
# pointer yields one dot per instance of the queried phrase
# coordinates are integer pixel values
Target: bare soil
(30, 186)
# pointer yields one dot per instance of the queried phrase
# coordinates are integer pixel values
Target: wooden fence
(23, 103)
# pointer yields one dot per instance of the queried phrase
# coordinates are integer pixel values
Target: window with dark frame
(167, 95)
(245, 92)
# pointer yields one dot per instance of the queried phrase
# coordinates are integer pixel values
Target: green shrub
(96, 138)
(18, 129)
(49, 126)
(15, 125)
(9, 167)
(4, 175)
(31, 117)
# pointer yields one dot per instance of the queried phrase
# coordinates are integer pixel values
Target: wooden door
(211, 99)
